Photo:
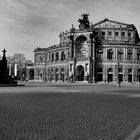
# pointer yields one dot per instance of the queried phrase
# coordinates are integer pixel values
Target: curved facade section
(106, 51)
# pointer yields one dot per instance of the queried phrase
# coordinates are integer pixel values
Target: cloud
(25, 24)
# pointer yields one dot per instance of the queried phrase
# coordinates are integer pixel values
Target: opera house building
(107, 51)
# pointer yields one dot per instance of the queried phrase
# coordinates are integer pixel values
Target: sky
(26, 24)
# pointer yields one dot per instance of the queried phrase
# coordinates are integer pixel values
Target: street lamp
(118, 75)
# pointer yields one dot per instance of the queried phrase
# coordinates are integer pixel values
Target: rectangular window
(123, 33)
(109, 33)
(103, 33)
(117, 33)
(129, 34)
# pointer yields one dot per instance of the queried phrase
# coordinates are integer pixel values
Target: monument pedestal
(5, 79)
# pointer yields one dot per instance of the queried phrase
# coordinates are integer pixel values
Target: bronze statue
(84, 22)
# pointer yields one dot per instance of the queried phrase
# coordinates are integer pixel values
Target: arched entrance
(120, 75)
(100, 74)
(130, 75)
(79, 73)
(31, 74)
(110, 75)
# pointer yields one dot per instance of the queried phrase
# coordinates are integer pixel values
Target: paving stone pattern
(71, 116)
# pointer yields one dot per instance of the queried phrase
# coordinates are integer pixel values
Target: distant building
(107, 51)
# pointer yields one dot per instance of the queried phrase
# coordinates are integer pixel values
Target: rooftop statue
(84, 22)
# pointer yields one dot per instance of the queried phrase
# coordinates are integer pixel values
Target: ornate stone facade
(108, 51)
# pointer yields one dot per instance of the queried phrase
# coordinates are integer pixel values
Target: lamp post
(118, 75)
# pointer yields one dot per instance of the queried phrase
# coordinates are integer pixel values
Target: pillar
(15, 70)
(125, 73)
(10, 70)
(105, 73)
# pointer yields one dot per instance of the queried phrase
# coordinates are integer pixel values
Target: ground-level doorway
(121, 77)
(110, 75)
(31, 74)
(79, 73)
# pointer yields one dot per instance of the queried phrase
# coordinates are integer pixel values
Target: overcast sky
(26, 24)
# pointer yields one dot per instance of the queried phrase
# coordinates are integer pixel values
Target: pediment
(106, 23)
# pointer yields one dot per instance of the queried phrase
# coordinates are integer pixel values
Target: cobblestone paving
(67, 116)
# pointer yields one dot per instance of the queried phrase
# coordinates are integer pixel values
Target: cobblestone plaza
(41, 111)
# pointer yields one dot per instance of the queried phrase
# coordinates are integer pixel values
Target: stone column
(15, 70)
(134, 54)
(127, 39)
(54, 56)
(114, 52)
(124, 53)
(114, 33)
(10, 70)
(105, 73)
(105, 53)
(134, 74)
(125, 73)
(115, 73)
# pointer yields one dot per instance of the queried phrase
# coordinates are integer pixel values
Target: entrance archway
(130, 75)
(79, 73)
(100, 74)
(31, 74)
(120, 74)
(110, 75)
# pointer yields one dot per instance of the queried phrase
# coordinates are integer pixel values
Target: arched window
(120, 69)
(52, 56)
(130, 70)
(100, 74)
(100, 70)
(120, 54)
(100, 54)
(110, 70)
(63, 55)
(129, 54)
(110, 75)
(110, 54)
(57, 56)
(138, 54)
(41, 59)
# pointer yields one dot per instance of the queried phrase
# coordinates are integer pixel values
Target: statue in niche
(84, 22)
